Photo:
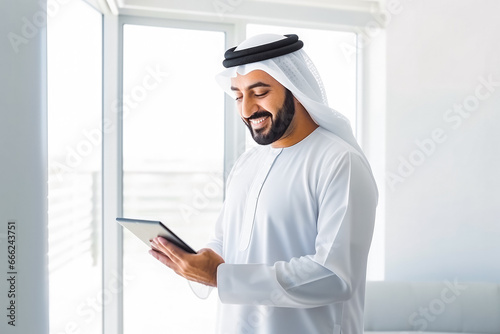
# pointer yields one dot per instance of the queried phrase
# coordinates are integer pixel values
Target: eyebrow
(255, 85)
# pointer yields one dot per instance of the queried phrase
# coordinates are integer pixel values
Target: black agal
(262, 52)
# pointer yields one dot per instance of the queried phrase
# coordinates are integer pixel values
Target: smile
(258, 120)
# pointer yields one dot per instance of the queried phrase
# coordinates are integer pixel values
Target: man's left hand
(200, 267)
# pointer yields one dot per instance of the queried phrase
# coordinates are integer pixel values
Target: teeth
(258, 121)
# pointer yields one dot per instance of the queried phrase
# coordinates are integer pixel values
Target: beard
(279, 125)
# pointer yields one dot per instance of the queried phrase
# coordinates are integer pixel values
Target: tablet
(149, 229)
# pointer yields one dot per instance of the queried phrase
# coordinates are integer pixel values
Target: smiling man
(291, 243)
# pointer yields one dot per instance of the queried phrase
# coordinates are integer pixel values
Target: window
(74, 140)
(173, 155)
(175, 150)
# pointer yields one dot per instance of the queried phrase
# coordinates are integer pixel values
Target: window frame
(234, 133)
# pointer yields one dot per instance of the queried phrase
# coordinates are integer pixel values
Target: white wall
(23, 167)
(443, 203)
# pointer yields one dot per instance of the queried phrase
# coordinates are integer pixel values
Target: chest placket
(253, 198)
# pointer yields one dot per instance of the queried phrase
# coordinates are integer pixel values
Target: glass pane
(74, 141)
(337, 72)
(173, 140)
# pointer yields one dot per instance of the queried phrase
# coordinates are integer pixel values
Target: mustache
(259, 114)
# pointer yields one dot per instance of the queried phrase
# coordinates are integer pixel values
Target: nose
(248, 107)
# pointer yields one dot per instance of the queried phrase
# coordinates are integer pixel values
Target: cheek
(274, 109)
(270, 105)
(275, 103)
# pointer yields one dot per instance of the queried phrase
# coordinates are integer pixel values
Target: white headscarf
(297, 73)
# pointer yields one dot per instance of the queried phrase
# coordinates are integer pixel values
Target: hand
(200, 267)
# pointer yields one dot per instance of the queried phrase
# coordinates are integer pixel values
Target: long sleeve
(346, 199)
(216, 239)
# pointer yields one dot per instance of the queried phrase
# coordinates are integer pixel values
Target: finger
(159, 256)
(168, 262)
(171, 250)
(158, 245)
(164, 259)
(154, 245)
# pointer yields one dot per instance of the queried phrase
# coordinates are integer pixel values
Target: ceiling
(317, 11)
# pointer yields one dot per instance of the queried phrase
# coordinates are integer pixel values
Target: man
(290, 246)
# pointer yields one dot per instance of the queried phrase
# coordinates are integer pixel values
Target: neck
(302, 126)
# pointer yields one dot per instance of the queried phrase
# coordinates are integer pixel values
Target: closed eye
(263, 94)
